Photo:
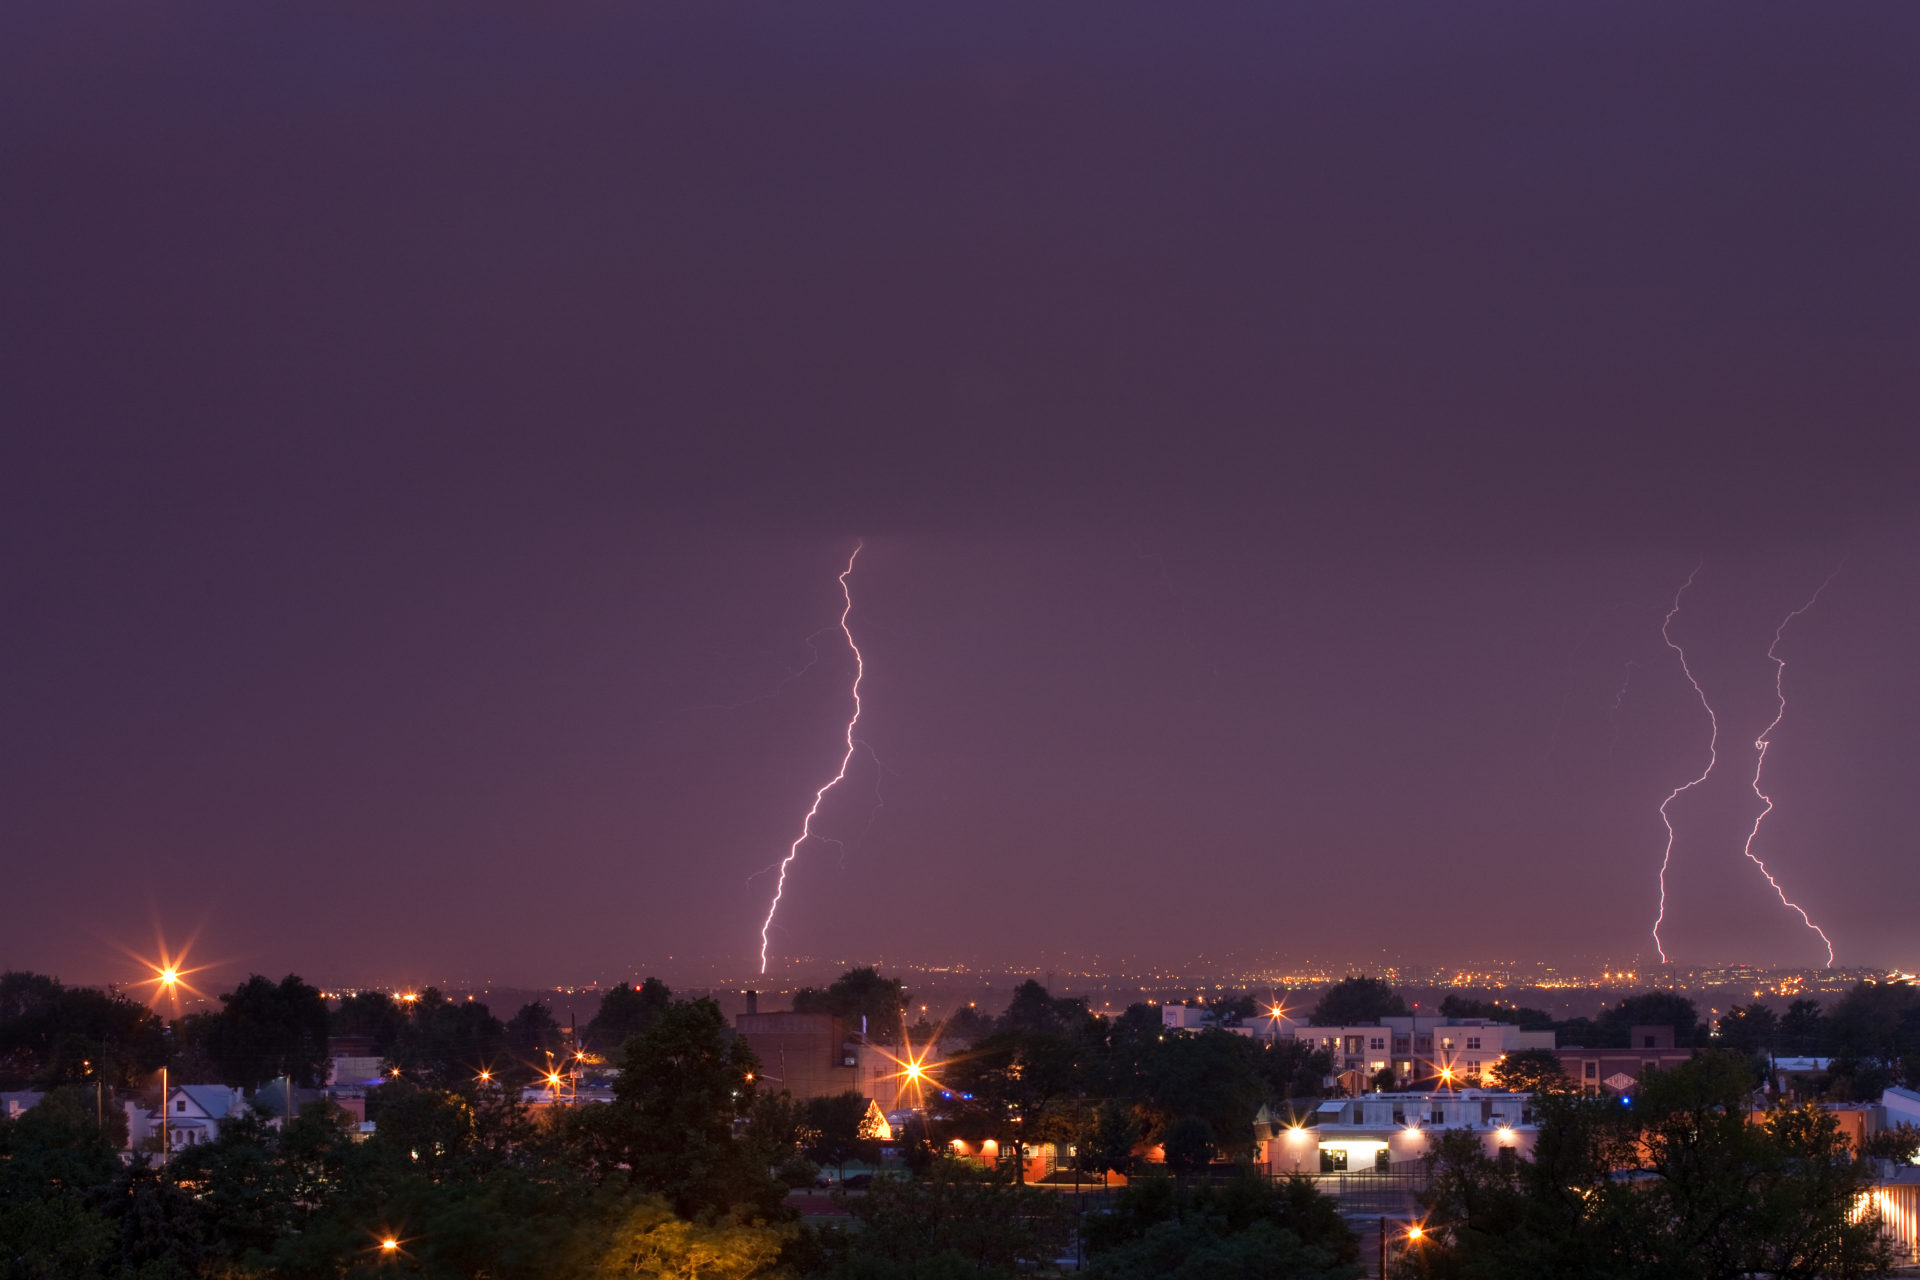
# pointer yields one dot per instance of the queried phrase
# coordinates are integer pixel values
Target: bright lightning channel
(1762, 743)
(1713, 756)
(806, 824)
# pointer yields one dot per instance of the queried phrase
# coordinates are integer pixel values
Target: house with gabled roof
(195, 1112)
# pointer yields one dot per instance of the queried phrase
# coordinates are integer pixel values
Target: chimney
(753, 1002)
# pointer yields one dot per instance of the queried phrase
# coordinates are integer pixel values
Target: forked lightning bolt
(806, 824)
(1762, 743)
(1713, 757)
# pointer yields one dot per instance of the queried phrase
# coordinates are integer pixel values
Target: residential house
(195, 1112)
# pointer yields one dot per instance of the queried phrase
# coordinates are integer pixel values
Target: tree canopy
(625, 1013)
(52, 1034)
(266, 1029)
(859, 997)
(1679, 1182)
(1356, 1000)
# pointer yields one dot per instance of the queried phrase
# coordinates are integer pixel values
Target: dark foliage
(53, 1034)
(625, 1013)
(859, 997)
(1243, 1229)
(1355, 1000)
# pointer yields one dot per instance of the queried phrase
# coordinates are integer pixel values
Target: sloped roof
(217, 1100)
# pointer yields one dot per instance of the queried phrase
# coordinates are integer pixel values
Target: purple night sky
(431, 434)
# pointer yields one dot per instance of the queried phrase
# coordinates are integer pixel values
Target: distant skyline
(1276, 439)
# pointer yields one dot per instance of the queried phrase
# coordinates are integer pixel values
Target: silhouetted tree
(859, 994)
(373, 1014)
(966, 1025)
(267, 1029)
(1496, 1011)
(1108, 1146)
(1651, 1009)
(529, 1036)
(1680, 1182)
(837, 1130)
(1032, 1009)
(448, 1043)
(1878, 1020)
(1188, 1144)
(683, 1082)
(1803, 1029)
(1355, 1000)
(52, 1034)
(1749, 1028)
(1529, 1071)
(625, 1013)
(1247, 1228)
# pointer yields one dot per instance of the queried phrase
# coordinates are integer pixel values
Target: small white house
(195, 1112)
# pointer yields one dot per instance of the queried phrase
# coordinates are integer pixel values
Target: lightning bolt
(1713, 756)
(1762, 743)
(806, 824)
(1619, 701)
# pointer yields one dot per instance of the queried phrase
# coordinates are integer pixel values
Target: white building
(1381, 1130)
(1902, 1106)
(195, 1112)
(1420, 1049)
(1186, 1017)
(16, 1104)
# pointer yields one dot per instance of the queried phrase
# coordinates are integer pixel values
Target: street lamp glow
(1416, 1232)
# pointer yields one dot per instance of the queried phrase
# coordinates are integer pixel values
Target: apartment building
(1420, 1050)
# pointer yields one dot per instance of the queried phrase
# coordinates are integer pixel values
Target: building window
(1446, 1042)
(1333, 1159)
(1439, 1115)
(1380, 1159)
(180, 1106)
(1593, 1070)
(1646, 1042)
(1473, 1042)
(1378, 1042)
